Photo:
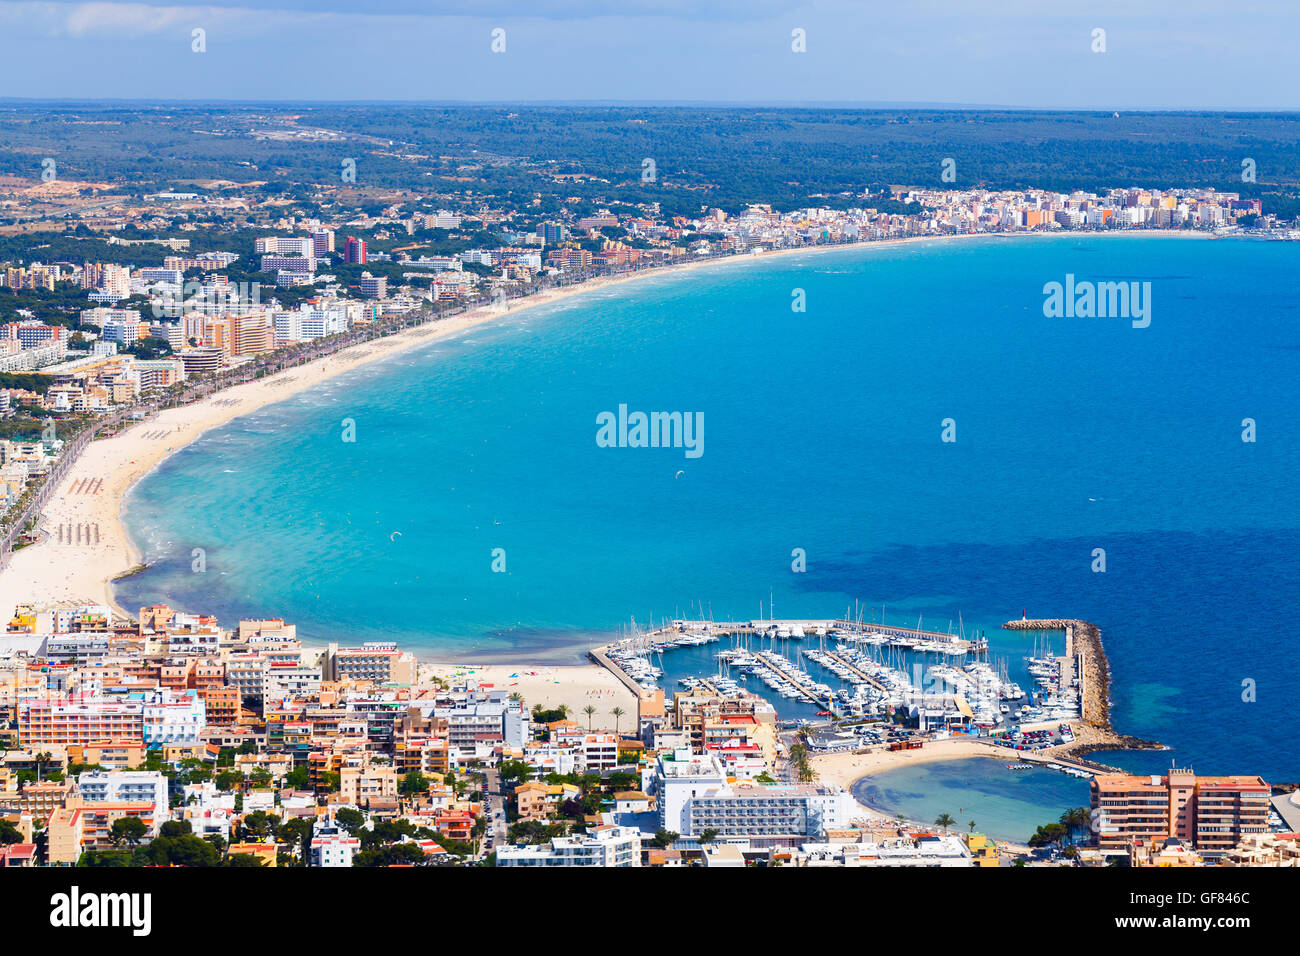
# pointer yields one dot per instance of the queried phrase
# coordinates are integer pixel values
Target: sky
(1194, 54)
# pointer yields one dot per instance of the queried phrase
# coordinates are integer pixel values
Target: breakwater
(1084, 646)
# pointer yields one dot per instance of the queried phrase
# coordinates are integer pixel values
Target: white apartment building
(599, 752)
(694, 795)
(304, 247)
(930, 850)
(680, 779)
(290, 680)
(154, 275)
(123, 333)
(603, 846)
(247, 672)
(306, 323)
(331, 845)
(487, 721)
(442, 220)
(123, 785)
(295, 264)
(100, 315)
(174, 719)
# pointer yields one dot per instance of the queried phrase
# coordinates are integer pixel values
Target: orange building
(88, 827)
(109, 754)
(251, 334)
(1211, 814)
(265, 852)
(222, 705)
(75, 721)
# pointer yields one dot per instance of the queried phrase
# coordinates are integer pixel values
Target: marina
(819, 670)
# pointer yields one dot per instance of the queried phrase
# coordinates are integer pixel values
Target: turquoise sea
(821, 432)
(1003, 804)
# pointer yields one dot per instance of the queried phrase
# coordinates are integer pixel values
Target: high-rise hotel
(1211, 814)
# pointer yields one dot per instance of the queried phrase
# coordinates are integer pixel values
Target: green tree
(617, 714)
(1076, 820)
(349, 819)
(663, 839)
(243, 859)
(589, 711)
(298, 778)
(128, 830)
(42, 760)
(413, 783)
(114, 858)
(229, 780)
(186, 850)
(515, 772)
(944, 820)
(1052, 834)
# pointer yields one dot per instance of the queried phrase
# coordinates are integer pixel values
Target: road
(494, 806)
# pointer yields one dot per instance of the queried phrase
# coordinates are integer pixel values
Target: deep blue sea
(821, 432)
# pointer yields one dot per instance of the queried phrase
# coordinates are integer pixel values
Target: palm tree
(516, 696)
(589, 710)
(944, 820)
(1076, 819)
(971, 824)
(617, 712)
(564, 710)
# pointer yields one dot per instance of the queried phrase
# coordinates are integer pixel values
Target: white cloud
(108, 18)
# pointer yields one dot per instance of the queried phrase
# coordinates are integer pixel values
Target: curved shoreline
(47, 574)
(886, 813)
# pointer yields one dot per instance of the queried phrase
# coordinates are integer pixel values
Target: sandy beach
(84, 544)
(576, 686)
(79, 567)
(95, 548)
(846, 769)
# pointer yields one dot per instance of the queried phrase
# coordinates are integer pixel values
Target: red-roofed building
(18, 854)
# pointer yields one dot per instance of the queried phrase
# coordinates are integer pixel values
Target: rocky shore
(1096, 732)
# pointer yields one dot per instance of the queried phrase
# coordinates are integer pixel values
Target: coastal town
(90, 347)
(357, 514)
(164, 738)
(133, 321)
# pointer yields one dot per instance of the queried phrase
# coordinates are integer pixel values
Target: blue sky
(1034, 53)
